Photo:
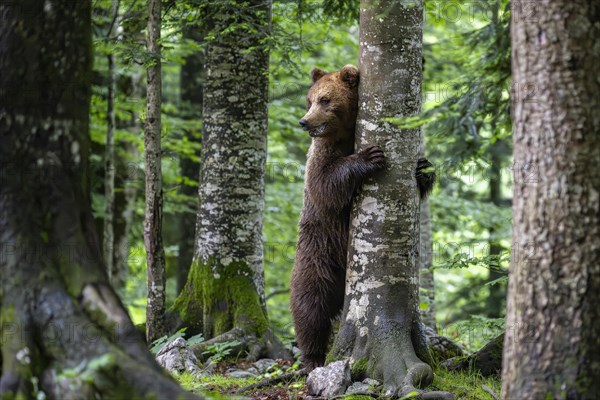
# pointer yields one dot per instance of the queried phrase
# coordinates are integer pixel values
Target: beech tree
(155, 253)
(224, 294)
(381, 330)
(551, 347)
(65, 331)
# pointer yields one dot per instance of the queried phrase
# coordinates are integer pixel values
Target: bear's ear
(317, 74)
(350, 75)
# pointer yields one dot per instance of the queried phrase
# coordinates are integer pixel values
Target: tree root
(285, 378)
(268, 345)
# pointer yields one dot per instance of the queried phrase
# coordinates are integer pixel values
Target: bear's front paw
(374, 157)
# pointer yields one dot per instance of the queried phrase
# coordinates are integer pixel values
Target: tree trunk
(551, 346)
(109, 155)
(497, 295)
(65, 332)
(155, 254)
(192, 81)
(426, 281)
(381, 329)
(224, 293)
(127, 191)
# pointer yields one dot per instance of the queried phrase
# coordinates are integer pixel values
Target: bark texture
(155, 253)
(381, 329)
(109, 155)
(224, 293)
(65, 331)
(551, 347)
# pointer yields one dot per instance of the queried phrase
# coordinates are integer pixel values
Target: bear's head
(332, 104)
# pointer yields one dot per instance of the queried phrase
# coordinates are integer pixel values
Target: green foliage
(219, 351)
(466, 120)
(475, 332)
(159, 343)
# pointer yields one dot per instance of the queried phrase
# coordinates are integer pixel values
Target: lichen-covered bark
(225, 286)
(381, 329)
(65, 332)
(551, 347)
(155, 253)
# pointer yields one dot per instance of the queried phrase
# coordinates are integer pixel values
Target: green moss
(221, 297)
(359, 370)
(212, 386)
(464, 386)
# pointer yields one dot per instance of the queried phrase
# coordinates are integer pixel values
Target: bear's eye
(324, 101)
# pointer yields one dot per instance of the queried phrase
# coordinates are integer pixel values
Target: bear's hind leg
(313, 324)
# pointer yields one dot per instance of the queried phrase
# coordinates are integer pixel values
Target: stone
(240, 373)
(359, 388)
(371, 382)
(263, 365)
(176, 356)
(330, 380)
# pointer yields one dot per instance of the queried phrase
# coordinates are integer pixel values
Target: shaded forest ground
(464, 385)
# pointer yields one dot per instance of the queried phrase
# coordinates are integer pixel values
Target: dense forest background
(466, 98)
(176, 217)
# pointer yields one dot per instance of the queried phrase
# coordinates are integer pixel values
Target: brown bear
(333, 174)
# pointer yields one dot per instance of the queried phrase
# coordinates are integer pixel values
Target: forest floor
(219, 384)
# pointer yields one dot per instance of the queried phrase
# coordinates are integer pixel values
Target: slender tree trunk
(155, 254)
(65, 332)
(551, 347)
(192, 81)
(224, 294)
(381, 329)
(109, 155)
(496, 296)
(426, 281)
(127, 190)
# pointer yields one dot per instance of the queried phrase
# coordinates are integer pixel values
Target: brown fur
(333, 174)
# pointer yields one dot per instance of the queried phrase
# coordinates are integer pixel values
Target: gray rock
(359, 388)
(371, 382)
(264, 364)
(239, 373)
(331, 380)
(296, 352)
(176, 356)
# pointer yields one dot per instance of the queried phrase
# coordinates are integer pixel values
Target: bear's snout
(303, 123)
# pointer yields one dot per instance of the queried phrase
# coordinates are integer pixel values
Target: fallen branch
(491, 392)
(285, 378)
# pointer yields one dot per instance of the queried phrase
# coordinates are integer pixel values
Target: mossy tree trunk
(551, 347)
(65, 331)
(381, 328)
(224, 294)
(155, 253)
